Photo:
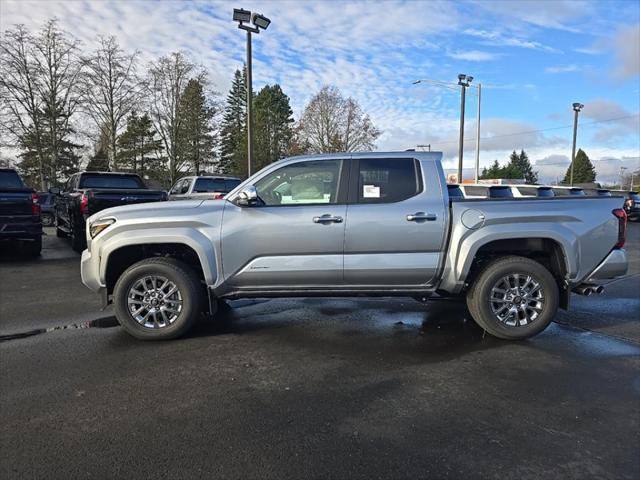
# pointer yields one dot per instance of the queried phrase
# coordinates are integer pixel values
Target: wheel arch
(194, 250)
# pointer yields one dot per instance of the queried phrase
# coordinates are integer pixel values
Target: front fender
(191, 237)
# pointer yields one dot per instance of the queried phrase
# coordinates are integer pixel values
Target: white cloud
(562, 69)
(473, 56)
(498, 38)
(626, 45)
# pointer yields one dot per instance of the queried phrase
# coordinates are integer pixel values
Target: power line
(540, 130)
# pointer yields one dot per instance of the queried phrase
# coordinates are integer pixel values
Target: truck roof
(393, 154)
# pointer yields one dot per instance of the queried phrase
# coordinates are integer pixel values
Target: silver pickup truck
(377, 224)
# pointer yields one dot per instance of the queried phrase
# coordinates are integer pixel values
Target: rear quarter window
(205, 185)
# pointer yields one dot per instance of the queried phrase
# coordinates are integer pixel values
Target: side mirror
(247, 197)
(54, 190)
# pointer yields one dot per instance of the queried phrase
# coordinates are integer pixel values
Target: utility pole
(576, 108)
(463, 81)
(478, 134)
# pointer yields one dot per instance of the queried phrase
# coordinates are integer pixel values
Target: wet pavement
(313, 388)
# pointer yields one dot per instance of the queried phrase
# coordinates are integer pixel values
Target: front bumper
(614, 265)
(90, 272)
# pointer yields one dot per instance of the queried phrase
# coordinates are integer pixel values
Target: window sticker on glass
(370, 191)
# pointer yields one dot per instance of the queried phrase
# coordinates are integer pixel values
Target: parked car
(20, 221)
(47, 203)
(204, 187)
(86, 193)
(378, 224)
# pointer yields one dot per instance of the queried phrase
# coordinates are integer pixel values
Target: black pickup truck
(86, 193)
(20, 221)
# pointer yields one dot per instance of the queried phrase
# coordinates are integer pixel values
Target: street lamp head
(260, 21)
(577, 107)
(469, 79)
(461, 77)
(241, 15)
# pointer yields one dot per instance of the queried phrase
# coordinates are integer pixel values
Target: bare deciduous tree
(168, 77)
(39, 97)
(332, 123)
(110, 90)
(20, 101)
(58, 68)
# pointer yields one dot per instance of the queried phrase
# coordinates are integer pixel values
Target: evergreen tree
(99, 162)
(196, 140)
(583, 170)
(233, 147)
(494, 171)
(60, 152)
(138, 146)
(272, 125)
(523, 168)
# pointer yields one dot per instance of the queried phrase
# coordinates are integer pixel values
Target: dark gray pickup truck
(20, 221)
(87, 193)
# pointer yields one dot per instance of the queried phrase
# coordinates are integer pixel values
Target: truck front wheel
(513, 298)
(158, 299)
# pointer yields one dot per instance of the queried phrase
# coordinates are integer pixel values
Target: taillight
(84, 204)
(622, 226)
(35, 206)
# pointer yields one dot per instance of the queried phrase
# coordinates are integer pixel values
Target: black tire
(185, 279)
(479, 296)
(78, 241)
(32, 248)
(47, 220)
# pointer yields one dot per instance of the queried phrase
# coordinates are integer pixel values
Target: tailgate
(102, 199)
(15, 202)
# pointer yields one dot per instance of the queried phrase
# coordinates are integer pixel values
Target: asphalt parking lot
(313, 388)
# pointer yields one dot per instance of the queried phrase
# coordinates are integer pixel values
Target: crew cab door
(395, 228)
(294, 237)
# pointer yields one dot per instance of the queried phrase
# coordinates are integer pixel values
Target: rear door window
(230, 184)
(387, 180)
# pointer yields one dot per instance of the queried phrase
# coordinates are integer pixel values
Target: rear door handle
(327, 218)
(421, 216)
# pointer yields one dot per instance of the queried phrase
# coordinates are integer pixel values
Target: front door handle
(421, 216)
(327, 218)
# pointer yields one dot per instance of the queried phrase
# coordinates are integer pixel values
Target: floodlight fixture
(241, 15)
(577, 107)
(260, 21)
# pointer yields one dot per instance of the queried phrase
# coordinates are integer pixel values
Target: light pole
(478, 134)
(463, 81)
(576, 108)
(259, 21)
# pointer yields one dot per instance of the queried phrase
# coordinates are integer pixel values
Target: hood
(157, 209)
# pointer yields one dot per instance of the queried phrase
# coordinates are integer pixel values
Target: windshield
(111, 181)
(10, 179)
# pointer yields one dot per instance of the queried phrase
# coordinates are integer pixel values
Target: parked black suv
(86, 193)
(20, 221)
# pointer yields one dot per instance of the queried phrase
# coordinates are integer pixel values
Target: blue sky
(533, 58)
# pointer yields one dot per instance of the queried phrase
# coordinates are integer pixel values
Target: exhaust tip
(599, 289)
(588, 291)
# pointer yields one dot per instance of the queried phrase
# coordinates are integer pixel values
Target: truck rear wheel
(513, 298)
(158, 299)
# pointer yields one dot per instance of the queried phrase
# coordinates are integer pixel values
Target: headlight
(99, 225)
